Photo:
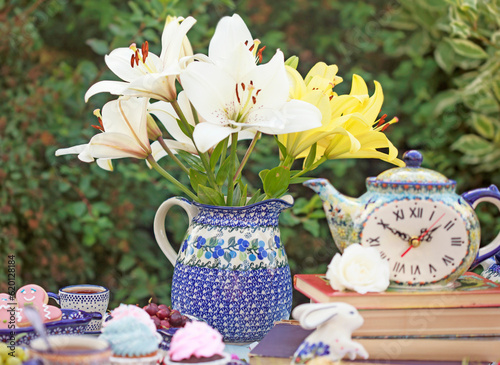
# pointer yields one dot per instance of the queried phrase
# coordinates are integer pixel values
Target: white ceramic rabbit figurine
(334, 323)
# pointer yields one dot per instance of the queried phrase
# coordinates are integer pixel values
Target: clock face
(424, 241)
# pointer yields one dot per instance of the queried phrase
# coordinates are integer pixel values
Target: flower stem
(170, 178)
(203, 156)
(247, 155)
(312, 167)
(182, 117)
(232, 156)
(172, 155)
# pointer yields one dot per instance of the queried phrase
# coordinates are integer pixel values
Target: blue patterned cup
(84, 297)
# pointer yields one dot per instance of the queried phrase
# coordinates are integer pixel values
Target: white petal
(127, 116)
(105, 164)
(239, 62)
(167, 116)
(229, 33)
(172, 40)
(116, 145)
(207, 135)
(272, 79)
(112, 87)
(118, 61)
(211, 90)
(72, 150)
(156, 86)
(301, 116)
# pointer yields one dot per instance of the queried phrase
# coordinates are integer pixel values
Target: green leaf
(282, 148)
(311, 156)
(468, 4)
(312, 226)
(300, 179)
(471, 144)
(216, 154)
(227, 256)
(484, 125)
(223, 173)
(210, 196)
(443, 54)
(244, 192)
(276, 182)
(197, 178)
(288, 219)
(183, 127)
(191, 160)
(305, 206)
(98, 46)
(79, 209)
(445, 100)
(199, 253)
(126, 262)
(236, 196)
(257, 197)
(467, 48)
(262, 175)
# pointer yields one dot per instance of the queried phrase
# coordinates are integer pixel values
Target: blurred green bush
(68, 222)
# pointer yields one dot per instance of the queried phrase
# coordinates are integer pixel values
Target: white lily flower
(256, 101)
(124, 134)
(125, 130)
(144, 74)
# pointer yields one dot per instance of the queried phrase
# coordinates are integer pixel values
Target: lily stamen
(259, 54)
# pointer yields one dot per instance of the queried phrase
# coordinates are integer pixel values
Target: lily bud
(154, 132)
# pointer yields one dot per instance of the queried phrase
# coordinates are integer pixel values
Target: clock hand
(402, 235)
(417, 240)
(432, 225)
(428, 236)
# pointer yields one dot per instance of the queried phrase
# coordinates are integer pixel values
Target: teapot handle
(159, 224)
(474, 197)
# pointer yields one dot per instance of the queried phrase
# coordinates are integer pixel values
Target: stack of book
(438, 327)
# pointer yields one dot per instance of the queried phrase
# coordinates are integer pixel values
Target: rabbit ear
(313, 315)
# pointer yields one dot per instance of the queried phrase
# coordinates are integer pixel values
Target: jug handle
(159, 225)
(474, 197)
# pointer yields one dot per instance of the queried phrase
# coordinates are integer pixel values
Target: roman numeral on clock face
(399, 267)
(416, 212)
(448, 260)
(457, 241)
(449, 225)
(374, 241)
(399, 214)
(415, 270)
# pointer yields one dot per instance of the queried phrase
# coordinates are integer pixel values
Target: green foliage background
(68, 222)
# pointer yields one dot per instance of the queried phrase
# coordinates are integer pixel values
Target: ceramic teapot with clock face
(429, 234)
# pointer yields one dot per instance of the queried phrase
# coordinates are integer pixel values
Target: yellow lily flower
(349, 128)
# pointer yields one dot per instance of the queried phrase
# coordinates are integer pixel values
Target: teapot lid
(412, 174)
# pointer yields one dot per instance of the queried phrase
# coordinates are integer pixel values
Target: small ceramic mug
(84, 297)
(71, 350)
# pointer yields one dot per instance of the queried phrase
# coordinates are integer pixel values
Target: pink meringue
(129, 310)
(196, 339)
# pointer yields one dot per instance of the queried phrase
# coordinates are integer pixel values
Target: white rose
(360, 269)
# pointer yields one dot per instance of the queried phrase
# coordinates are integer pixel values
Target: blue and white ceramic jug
(231, 270)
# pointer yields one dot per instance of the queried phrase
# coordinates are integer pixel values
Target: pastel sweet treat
(37, 297)
(132, 335)
(5, 307)
(197, 342)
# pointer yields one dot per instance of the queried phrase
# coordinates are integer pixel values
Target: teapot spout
(339, 209)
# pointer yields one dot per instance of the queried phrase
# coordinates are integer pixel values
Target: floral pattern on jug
(231, 270)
